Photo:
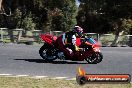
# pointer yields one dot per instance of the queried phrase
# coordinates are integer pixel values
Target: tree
(91, 17)
(103, 16)
(61, 14)
(43, 15)
(119, 14)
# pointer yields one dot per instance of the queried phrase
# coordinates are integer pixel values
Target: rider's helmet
(78, 30)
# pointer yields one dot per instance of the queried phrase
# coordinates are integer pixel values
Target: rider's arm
(74, 43)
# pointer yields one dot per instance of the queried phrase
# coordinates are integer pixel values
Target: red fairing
(78, 42)
(97, 45)
(48, 38)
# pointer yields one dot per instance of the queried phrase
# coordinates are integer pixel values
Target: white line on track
(5, 74)
(71, 79)
(59, 78)
(40, 76)
(22, 75)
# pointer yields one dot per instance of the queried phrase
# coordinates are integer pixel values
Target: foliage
(104, 16)
(43, 14)
(101, 16)
(28, 23)
(127, 25)
(61, 14)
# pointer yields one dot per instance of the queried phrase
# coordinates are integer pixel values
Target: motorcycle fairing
(48, 38)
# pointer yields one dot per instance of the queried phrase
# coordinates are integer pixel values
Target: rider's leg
(63, 47)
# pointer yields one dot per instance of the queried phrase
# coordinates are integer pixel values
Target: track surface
(25, 60)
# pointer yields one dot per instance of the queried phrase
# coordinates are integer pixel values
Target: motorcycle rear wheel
(48, 53)
(95, 58)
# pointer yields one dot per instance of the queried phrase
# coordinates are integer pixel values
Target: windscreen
(91, 40)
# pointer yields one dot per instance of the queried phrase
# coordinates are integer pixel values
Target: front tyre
(48, 53)
(95, 58)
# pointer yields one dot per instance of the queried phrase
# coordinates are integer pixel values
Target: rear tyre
(95, 58)
(48, 53)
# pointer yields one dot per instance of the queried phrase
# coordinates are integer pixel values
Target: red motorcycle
(54, 49)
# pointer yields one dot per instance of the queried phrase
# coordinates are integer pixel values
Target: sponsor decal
(82, 77)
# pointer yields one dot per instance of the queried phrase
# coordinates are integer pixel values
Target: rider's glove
(79, 49)
(70, 51)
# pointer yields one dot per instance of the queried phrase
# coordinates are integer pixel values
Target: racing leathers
(69, 41)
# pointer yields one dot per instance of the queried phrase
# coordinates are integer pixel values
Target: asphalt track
(25, 60)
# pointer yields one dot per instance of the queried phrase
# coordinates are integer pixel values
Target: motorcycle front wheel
(95, 58)
(48, 53)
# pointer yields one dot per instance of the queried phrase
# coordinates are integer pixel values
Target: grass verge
(28, 82)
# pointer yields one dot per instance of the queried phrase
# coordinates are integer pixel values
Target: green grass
(28, 82)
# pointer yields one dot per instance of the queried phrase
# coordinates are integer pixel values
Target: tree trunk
(24, 33)
(19, 36)
(116, 39)
(0, 5)
(10, 31)
(130, 38)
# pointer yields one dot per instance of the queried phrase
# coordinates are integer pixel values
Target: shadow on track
(53, 62)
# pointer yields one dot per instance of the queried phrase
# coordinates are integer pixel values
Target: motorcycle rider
(68, 40)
